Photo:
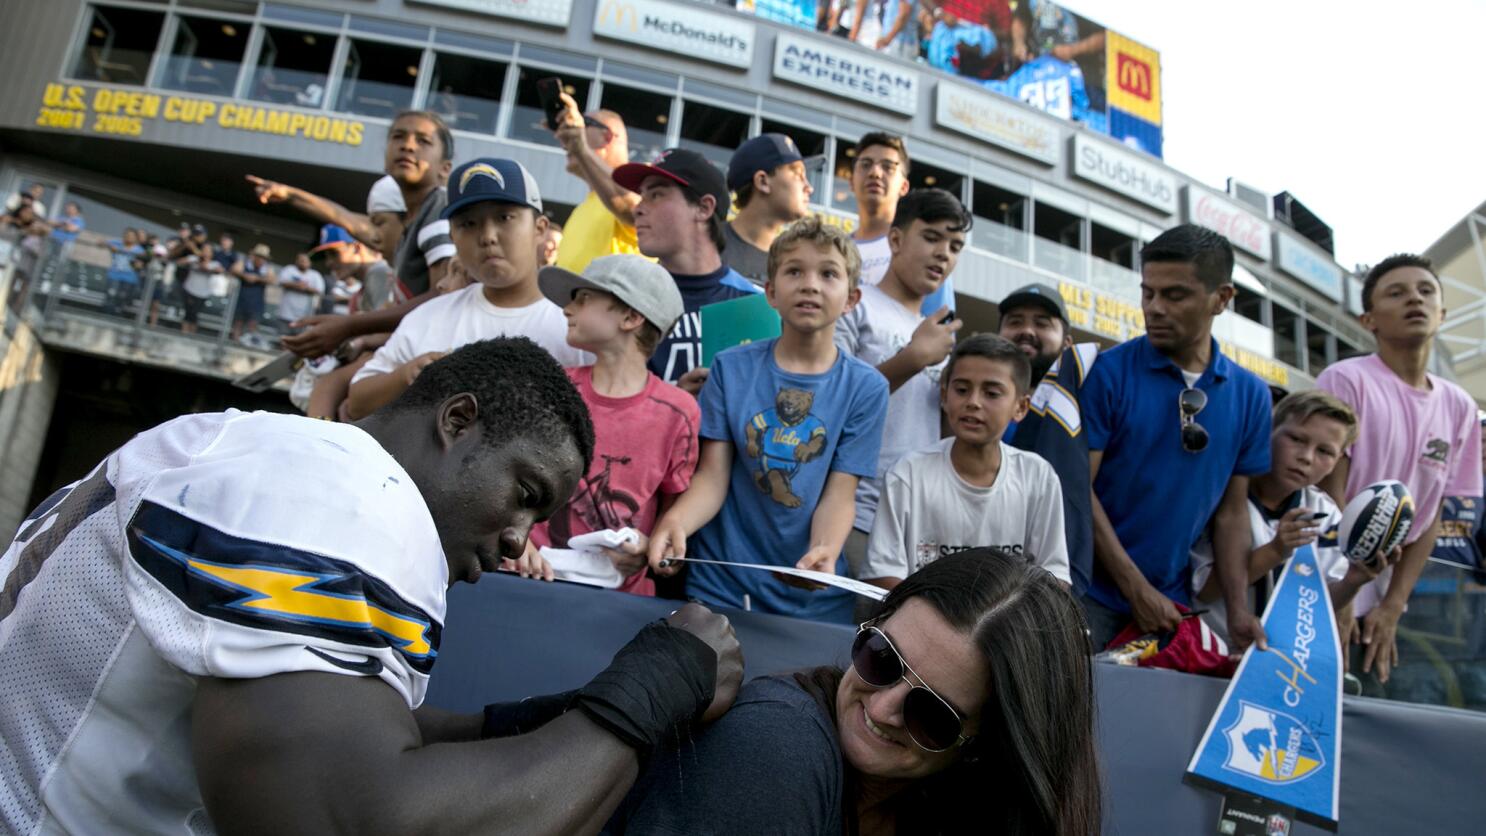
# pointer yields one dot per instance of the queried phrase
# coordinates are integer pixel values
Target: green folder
(736, 322)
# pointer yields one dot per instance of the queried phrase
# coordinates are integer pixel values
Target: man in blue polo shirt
(1175, 431)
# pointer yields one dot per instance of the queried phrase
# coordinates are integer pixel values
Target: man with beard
(1035, 319)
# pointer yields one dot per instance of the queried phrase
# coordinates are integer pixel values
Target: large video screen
(1033, 50)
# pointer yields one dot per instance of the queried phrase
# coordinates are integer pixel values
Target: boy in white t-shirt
(495, 219)
(974, 489)
(1287, 510)
(887, 330)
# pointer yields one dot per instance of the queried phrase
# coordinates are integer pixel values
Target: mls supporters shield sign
(1277, 732)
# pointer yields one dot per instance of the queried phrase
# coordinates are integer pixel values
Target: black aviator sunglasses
(932, 723)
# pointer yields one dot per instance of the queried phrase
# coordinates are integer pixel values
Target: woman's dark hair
(1035, 747)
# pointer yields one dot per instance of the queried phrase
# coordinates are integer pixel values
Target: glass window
(1112, 246)
(1248, 304)
(206, 55)
(1345, 350)
(293, 67)
(646, 117)
(466, 92)
(1000, 217)
(1053, 224)
(528, 122)
(922, 175)
(1315, 346)
(1058, 242)
(1286, 330)
(379, 78)
(294, 14)
(712, 131)
(812, 147)
(728, 95)
(119, 45)
(392, 29)
(488, 47)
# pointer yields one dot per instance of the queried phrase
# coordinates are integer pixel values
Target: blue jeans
(1104, 623)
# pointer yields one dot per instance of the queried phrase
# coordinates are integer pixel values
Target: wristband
(656, 685)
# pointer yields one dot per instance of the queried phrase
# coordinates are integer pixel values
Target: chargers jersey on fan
(1050, 85)
(233, 545)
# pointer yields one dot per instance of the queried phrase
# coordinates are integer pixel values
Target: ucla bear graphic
(782, 439)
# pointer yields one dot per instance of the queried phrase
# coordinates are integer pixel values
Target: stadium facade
(151, 113)
(1460, 257)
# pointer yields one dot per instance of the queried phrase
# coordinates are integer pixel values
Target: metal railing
(72, 298)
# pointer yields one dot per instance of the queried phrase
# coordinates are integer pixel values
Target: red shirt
(645, 446)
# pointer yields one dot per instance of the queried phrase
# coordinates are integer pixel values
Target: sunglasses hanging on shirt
(1194, 435)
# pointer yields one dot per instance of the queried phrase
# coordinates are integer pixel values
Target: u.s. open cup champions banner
(1277, 733)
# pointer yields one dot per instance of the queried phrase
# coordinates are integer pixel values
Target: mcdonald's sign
(1133, 77)
(617, 14)
(681, 28)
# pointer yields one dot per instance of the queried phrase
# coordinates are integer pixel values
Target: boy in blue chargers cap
(495, 219)
(771, 190)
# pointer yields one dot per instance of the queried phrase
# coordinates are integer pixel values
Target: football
(1376, 520)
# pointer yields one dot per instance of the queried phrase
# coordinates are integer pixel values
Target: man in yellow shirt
(604, 223)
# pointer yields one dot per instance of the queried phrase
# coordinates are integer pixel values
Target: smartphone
(948, 318)
(1313, 517)
(549, 90)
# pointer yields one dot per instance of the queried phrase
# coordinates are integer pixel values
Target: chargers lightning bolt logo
(273, 587)
(293, 595)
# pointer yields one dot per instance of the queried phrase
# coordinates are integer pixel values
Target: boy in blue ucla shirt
(789, 426)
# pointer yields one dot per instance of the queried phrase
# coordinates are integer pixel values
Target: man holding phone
(596, 144)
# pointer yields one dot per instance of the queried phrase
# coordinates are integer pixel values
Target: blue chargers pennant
(1277, 732)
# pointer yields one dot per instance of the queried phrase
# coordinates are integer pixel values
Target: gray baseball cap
(638, 282)
(1039, 295)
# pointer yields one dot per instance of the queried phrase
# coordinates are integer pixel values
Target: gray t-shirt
(376, 287)
(748, 260)
(928, 511)
(875, 330)
(425, 240)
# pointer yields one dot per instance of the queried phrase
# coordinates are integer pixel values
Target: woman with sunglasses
(968, 708)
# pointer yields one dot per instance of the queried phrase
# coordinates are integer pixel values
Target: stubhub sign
(846, 72)
(686, 30)
(1125, 172)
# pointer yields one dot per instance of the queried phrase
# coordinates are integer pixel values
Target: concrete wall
(29, 377)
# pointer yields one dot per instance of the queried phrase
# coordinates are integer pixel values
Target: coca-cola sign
(1247, 231)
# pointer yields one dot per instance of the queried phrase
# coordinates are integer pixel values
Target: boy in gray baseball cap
(645, 430)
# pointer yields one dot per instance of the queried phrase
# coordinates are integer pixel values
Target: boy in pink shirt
(645, 430)
(1413, 427)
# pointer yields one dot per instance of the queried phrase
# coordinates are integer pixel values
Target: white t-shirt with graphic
(876, 255)
(466, 316)
(874, 331)
(927, 511)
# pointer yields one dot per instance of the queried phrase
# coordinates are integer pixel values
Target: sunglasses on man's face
(931, 722)
(1194, 435)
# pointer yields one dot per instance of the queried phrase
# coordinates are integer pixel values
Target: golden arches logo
(617, 14)
(1134, 76)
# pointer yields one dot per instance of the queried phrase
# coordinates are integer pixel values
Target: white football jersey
(229, 545)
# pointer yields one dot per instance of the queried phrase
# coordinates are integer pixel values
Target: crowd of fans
(1021, 497)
